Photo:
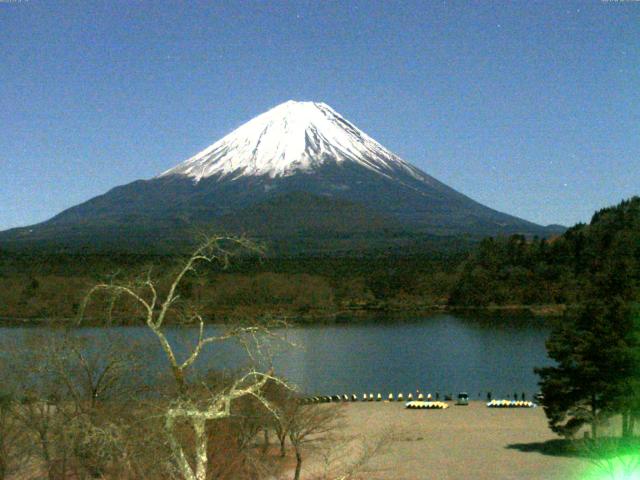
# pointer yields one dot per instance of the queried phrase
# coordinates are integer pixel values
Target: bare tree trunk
(183, 463)
(265, 446)
(283, 451)
(594, 427)
(201, 448)
(49, 462)
(296, 475)
(178, 375)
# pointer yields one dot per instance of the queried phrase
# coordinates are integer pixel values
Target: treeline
(506, 271)
(517, 270)
(53, 286)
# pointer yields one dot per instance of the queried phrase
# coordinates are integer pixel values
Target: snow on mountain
(299, 172)
(290, 138)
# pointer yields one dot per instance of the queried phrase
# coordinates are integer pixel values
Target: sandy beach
(462, 442)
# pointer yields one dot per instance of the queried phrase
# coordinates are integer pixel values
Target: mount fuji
(298, 171)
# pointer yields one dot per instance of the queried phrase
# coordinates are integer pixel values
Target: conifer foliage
(596, 346)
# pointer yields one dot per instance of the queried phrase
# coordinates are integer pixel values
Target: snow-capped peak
(291, 137)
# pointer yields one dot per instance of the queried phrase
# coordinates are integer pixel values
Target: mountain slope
(300, 167)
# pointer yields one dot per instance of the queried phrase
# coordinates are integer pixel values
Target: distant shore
(350, 315)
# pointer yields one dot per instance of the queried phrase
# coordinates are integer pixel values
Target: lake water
(443, 353)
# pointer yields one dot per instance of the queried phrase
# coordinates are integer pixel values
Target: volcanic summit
(298, 170)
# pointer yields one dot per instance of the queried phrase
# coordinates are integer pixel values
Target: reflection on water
(443, 353)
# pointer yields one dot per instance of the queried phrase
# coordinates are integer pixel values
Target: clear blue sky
(532, 108)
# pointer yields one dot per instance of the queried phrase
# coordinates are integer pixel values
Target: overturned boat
(417, 404)
(511, 404)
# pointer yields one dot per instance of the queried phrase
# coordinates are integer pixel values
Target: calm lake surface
(443, 353)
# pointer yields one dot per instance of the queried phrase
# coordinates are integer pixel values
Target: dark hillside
(515, 270)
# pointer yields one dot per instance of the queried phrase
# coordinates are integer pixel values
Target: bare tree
(11, 434)
(50, 438)
(75, 403)
(359, 462)
(42, 414)
(11, 437)
(306, 425)
(195, 407)
(92, 374)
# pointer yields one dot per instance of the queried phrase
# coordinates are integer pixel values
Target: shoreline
(346, 316)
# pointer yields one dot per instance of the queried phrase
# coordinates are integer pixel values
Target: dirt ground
(462, 442)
